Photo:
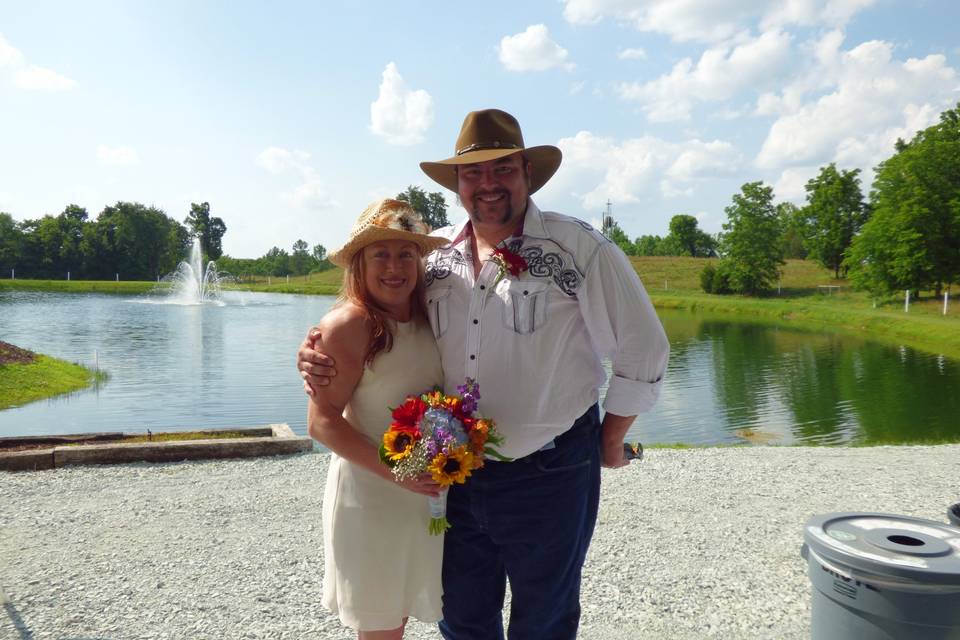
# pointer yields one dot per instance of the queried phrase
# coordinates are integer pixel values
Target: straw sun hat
(492, 134)
(386, 220)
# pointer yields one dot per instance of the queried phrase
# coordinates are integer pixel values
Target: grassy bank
(809, 298)
(80, 286)
(28, 378)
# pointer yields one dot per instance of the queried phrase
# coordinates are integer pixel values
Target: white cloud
(312, 192)
(10, 56)
(638, 169)
(713, 20)
(792, 182)
(121, 156)
(278, 160)
(872, 100)
(35, 78)
(29, 76)
(533, 50)
(632, 54)
(721, 72)
(399, 115)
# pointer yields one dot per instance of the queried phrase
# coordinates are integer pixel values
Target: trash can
(882, 577)
(953, 514)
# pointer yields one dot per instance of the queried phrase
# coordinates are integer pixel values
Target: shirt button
(482, 287)
(475, 321)
(526, 293)
(473, 357)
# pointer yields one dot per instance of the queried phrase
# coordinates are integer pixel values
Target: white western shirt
(534, 343)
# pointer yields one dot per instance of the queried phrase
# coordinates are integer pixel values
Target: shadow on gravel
(18, 623)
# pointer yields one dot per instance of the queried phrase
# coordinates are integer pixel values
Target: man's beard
(507, 214)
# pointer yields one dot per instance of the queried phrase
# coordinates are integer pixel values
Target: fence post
(946, 298)
(13, 274)
(117, 277)
(906, 301)
(68, 276)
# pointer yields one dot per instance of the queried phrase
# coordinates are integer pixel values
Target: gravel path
(689, 543)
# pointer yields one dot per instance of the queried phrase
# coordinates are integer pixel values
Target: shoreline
(848, 314)
(689, 543)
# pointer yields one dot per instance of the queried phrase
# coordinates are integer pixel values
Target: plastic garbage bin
(881, 577)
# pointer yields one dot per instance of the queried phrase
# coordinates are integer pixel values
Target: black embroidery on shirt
(549, 265)
(440, 264)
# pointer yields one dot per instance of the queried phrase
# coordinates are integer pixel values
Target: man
(534, 341)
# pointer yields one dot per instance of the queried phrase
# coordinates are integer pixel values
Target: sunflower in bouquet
(441, 435)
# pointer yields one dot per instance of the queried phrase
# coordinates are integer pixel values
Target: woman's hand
(422, 484)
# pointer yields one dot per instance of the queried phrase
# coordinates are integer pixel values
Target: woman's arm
(346, 336)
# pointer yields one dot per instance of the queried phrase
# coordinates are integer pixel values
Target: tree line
(905, 236)
(134, 241)
(128, 239)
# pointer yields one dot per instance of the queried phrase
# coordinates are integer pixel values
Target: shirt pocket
(438, 303)
(525, 306)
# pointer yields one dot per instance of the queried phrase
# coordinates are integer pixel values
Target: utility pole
(607, 224)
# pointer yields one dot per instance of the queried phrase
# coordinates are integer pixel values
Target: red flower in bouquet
(409, 413)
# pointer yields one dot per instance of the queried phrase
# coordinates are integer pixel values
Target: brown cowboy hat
(387, 220)
(488, 135)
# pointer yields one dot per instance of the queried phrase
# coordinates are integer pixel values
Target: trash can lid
(885, 545)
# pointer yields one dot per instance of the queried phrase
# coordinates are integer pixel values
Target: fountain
(191, 284)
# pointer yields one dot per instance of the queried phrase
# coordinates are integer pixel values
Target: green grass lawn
(21, 383)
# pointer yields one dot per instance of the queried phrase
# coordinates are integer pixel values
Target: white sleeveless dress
(380, 563)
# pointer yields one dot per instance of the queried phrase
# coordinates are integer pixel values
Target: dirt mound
(10, 354)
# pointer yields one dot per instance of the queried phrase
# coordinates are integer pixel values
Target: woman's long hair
(355, 290)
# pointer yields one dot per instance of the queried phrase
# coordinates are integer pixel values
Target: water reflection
(180, 367)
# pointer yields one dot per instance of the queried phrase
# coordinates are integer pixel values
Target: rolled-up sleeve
(625, 329)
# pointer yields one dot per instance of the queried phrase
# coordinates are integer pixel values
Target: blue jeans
(530, 520)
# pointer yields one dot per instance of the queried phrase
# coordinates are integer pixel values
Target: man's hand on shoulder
(317, 367)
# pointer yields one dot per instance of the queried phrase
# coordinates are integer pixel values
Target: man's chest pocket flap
(525, 305)
(438, 301)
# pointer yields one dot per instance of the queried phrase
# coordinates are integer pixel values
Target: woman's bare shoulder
(346, 326)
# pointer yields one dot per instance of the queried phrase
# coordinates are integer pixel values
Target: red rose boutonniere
(508, 262)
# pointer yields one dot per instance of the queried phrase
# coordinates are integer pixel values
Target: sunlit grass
(44, 377)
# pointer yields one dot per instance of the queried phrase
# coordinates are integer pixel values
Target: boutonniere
(507, 262)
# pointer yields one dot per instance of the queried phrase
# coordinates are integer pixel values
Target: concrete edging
(281, 441)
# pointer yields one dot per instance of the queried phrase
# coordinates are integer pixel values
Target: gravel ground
(689, 543)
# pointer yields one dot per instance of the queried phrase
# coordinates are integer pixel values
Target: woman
(381, 566)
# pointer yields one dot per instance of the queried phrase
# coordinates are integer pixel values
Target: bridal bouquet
(441, 435)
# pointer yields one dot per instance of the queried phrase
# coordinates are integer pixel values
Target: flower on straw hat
(387, 219)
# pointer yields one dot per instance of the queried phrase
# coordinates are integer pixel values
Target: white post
(906, 301)
(778, 287)
(117, 277)
(946, 298)
(13, 274)
(268, 281)
(288, 278)
(68, 276)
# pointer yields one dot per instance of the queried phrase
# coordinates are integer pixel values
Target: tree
(834, 214)
(647, 245)
(320, 258)
(912, 240)
(792, 231)
(300, 260)
(616, 235)
(751, 248)
(684, 229)
(11, 242)
(136, 241)
(431, 206)
(209, 229)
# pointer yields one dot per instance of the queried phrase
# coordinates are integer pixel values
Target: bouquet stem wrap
(438, 513)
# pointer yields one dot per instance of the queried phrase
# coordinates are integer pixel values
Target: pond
(174, 367)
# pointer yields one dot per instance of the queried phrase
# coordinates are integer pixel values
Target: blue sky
(290, 117)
